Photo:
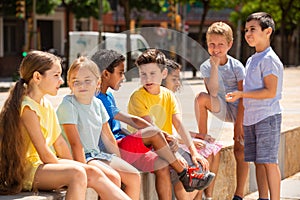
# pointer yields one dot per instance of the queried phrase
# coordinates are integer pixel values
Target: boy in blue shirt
(262, 112)
(222, 74)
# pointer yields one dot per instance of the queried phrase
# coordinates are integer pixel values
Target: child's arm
(202, 136)
(109, 140)
(61, 148)
(177, 123)
(212, 83)
(75, 143)
(32, 123)
(134, 121)
(238, 126)
(268, 91)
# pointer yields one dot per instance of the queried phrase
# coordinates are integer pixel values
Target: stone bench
(47, 195)
(225, 180)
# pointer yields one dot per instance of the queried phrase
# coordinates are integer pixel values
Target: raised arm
(212, 83)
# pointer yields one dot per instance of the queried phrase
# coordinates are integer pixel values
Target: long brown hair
(13, 145)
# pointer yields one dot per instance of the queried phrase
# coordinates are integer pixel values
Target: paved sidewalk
(290, 188)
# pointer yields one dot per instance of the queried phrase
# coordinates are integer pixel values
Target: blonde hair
(13, 146)
(83, 62)
(220, 28)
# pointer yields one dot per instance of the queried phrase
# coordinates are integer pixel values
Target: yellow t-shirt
(160, 107)
(50, 129)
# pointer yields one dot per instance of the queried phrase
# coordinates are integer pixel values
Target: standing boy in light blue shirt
(262, 114)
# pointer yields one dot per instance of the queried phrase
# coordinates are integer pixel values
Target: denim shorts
(262, 140)
(98, 156)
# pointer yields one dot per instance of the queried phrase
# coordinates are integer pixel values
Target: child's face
(151, 77)
(115, 79)
(51, 80)
(83, 83)
(254, 34)
(173, 80)
(218, 45)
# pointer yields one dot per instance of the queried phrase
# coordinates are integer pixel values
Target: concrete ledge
(291, 141)
(225, 184)
(225, 180)
(47, 195)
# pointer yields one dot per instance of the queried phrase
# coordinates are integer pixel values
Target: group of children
(95, 151)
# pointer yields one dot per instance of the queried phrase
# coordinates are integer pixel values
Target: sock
(237, 198)
(181, 174)
(262, 199)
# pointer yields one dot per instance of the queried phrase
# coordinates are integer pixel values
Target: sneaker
(237, 198)
(206, 180)
(192, 180)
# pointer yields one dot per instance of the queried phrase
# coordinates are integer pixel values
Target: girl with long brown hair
(33, 153)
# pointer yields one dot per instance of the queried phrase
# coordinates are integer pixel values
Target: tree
(286, 16)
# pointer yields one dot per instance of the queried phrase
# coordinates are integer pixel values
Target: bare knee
(152, 134)
(94, 174)
(201, 99)
(77, 176)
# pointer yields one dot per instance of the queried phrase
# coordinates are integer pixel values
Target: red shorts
(134, 151)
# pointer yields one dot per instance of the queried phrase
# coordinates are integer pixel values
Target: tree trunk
(205, 11)
(201, 25)
(67, 43)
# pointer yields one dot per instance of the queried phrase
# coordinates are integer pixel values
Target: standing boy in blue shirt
(222, 74)
(262, 111)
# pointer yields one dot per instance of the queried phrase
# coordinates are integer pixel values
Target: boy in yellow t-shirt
(157, 105)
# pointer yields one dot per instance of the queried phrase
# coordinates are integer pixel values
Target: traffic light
(178, 24)
(24, 53)
(21, 9)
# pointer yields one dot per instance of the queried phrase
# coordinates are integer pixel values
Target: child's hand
(199, 144)
(200, 159)
(233, 96)
(209, 139)
(214, 61)
(173, 143)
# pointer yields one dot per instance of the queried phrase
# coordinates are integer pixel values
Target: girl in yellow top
(33, 153)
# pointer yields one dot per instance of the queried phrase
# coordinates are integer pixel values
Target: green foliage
(87, 8)
(289, 9)
(80, 8)
(152, 5)
(43, 6)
